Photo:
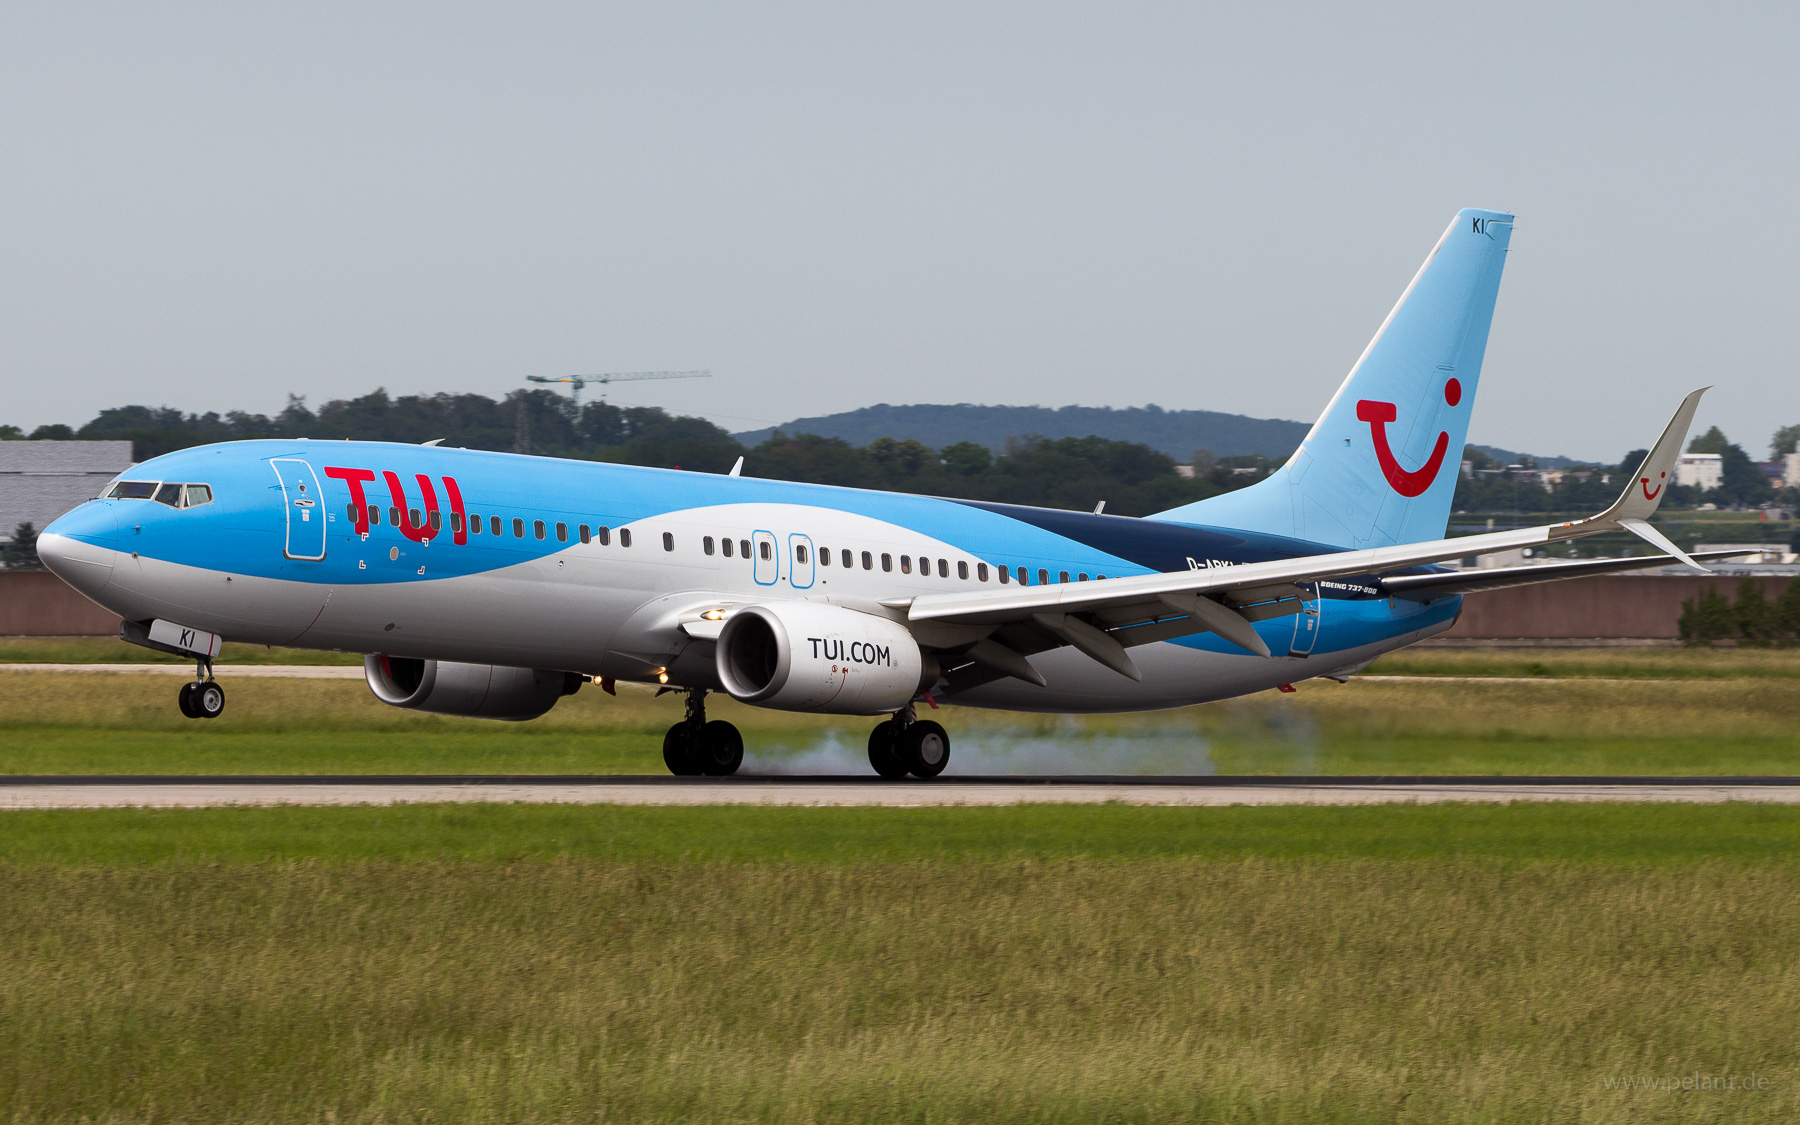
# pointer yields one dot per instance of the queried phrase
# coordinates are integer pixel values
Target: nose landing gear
(904, 745)
(697, 748)
(204, 698)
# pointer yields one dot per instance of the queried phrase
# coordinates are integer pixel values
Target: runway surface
(195, 792)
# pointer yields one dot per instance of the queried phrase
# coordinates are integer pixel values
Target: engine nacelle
(801, 656)
(485, 691)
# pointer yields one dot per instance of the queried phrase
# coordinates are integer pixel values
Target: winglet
(737, 469)
(1657, 539)
(1644, 492)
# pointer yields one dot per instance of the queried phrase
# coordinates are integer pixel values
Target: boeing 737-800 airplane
(492, 584)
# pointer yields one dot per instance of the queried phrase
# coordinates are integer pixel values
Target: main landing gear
(204, 698)
(696, 748)
(904, 744)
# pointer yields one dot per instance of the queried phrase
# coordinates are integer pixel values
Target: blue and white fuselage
(591, 568)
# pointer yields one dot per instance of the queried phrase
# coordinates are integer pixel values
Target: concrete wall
(36, 602)
(1637, 606)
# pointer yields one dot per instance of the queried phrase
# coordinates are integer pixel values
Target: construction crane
(576, 382)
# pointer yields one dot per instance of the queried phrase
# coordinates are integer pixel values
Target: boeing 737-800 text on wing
(492, 584)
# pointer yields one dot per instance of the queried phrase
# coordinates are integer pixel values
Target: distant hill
(1174, 432)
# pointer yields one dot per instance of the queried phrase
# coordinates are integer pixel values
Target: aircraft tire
(185, 700)
(207, 700)
(720, 749)
(678, 752)
(882, 754)
(924, 749)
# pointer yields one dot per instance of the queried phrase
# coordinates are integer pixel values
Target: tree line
(1073, 473)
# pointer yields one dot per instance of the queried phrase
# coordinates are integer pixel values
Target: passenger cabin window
(604, 534)
(562, 533)
(744, 547)
(763, 550)
(437, 521)
(1004, 574)
(944, 568)
(474, 525)
(456, 522)
(962, 569)
(850, 562)
(624, 537)
(1043, 577)
(868, 561)
(518, 528)
(374, 516)
(1062, 576)
(725, 545)
(494, 525)
(887, 563)
(586, 534)
(350, 512)
(1024, 577)
(412, 518)
(824, 556)
(1081, 577)
(981, 572)
(706, 544)
(799, 552)
(132, 490)
(394, 516)
(668, 541)
(905, 564)
(537, 528)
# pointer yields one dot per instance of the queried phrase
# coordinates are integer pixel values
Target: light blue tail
(1380, 465)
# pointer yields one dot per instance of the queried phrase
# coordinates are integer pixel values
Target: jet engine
(485, 691)
(801, 656)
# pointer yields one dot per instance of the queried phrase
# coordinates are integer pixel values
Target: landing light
(662, 677)
(713, 615)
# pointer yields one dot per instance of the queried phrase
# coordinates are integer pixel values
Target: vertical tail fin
(1380, 466)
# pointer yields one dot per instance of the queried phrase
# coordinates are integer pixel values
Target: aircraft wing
(1423, 587)
(1103, 618)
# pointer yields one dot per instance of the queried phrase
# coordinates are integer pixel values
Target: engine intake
(800, 656)
(487, 691)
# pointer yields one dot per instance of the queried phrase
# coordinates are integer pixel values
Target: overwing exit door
(766, 565)
(800, 563)
(305, 510)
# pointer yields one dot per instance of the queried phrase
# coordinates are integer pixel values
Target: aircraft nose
(78, 547)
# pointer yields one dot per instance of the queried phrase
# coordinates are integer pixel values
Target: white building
(40, 480)
(1705, 470)
(1791, 475)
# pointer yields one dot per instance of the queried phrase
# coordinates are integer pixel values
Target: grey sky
(210, 206)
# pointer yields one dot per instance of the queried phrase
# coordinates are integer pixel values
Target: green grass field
(54, 723)
(555, 964)
(477, 963)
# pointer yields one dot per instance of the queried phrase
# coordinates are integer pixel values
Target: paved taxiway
(184, 792)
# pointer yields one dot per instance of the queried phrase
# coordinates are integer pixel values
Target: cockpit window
(173, 494)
